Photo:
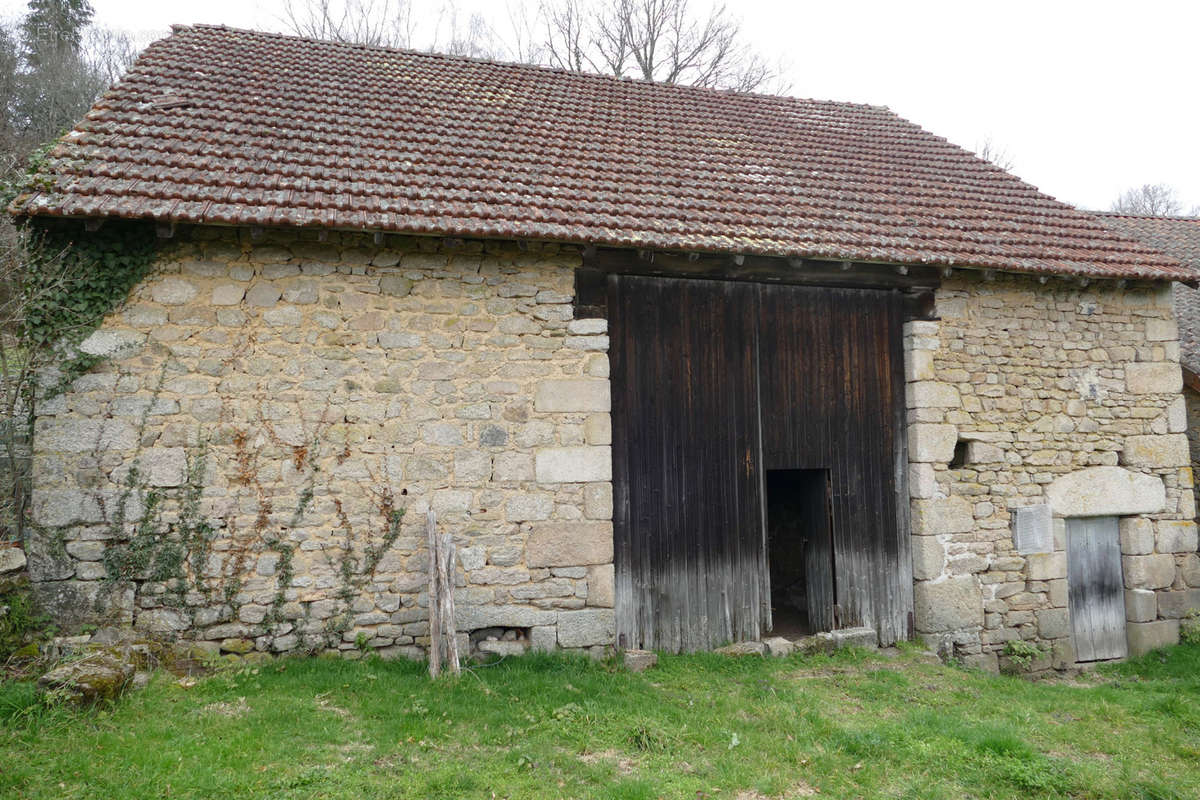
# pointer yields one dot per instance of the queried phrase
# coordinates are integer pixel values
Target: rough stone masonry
(1028, 393)
(301, 392)
(232, 472)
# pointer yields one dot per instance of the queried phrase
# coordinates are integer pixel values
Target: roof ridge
(1123, 214)
(545, 68)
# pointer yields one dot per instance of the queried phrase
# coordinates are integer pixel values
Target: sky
(1087, 99)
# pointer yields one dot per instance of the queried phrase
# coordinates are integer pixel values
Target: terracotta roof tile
(1178, 237)
(215, 125)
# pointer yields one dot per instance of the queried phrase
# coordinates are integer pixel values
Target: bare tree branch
(472, 36)
(524, 40)
(660, 40)
(385, 23)
(1154, 200)
(568, 39)
(998, 155)
(393, 23)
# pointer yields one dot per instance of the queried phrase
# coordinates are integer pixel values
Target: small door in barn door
(1096, 588)
(831, 396)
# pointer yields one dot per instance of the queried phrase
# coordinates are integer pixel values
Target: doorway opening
(800, 551)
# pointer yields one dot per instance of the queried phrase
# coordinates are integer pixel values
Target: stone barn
(675, 367)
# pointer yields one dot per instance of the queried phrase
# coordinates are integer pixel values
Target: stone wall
(233, 471)
(1027, 393)
(1192, 399)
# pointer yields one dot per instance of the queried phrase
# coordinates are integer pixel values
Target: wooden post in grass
(442, 628)
(435, 616)
(446, 601)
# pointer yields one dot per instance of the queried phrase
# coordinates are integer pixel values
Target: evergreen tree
(53, 80)
(53, 31)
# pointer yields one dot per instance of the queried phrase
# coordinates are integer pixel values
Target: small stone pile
(499, 642)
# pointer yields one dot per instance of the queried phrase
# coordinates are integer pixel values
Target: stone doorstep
(639, 660)
(823, 642)
(856, 637)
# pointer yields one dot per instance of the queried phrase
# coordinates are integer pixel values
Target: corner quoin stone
(942, 515)
(600, 586)
(1146, 636)
(573, 464)
(586, 628)
(578, 394)
(931, 442)
(1106, 491)
(569, 544)
(1137, 536)
(1177, 536)
(948, 605)
(1141, 605)
(1153, 378)
(931, 394)
(928, 556)
(1148, 572)
(1156, 450)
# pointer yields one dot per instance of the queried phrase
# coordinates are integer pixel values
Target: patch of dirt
(323, 703)
(624, 765)
(833, 670)
(222, 709)
(799, 789)
(350, 751)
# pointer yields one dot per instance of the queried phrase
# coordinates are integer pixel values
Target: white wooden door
(1096, 588)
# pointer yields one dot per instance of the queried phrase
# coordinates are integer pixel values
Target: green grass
(703, 726)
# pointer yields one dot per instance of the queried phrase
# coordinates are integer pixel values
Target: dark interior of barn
(798, 531)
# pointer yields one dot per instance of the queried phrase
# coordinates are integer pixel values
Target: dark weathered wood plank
(687, 506)
(764, 270)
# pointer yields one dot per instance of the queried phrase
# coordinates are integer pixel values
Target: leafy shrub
(1021, 654)
(1189, 627)
(20, 625)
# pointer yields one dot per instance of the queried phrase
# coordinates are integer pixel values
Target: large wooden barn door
(716, 383)
(687, 488)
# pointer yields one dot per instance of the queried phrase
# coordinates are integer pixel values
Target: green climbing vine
(166, 549)
(77, 277)
(59, 282)
(69, 277)
(171, 554)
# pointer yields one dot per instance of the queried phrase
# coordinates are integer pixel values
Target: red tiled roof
(1178, 237)
(221, 126)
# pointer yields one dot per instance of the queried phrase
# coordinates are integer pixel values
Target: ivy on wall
(92, 273)
(71, 280)
(68, 278)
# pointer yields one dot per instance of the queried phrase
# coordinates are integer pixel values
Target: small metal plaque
(1033, 530)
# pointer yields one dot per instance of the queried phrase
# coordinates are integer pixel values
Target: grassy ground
(852, 725)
